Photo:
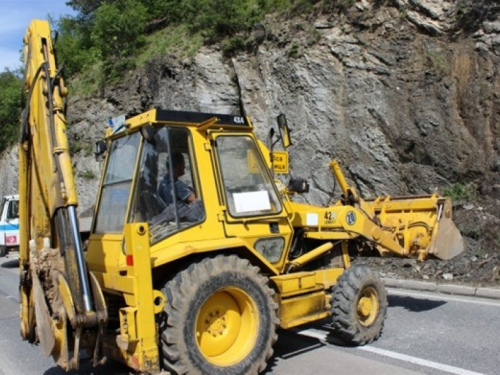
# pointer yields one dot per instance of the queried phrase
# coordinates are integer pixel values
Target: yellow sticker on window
(252, 165)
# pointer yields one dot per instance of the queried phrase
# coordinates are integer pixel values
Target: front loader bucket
(421, 225)
(409, 226)
(447, 241)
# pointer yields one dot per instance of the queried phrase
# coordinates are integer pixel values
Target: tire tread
(345, 324)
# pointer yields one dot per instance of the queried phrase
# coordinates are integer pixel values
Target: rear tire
(359, 307)
(220, 319)
(3, 251)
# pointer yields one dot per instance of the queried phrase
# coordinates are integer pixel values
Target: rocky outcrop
(406, 101)
(8, 172)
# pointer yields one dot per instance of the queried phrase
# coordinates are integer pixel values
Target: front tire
(220, 319)
(3, 251)
(359, 307)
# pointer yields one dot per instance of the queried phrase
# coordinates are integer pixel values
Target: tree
(10, 107)
(74, 45)
(85, 7)
(117, 32)
(218, 18)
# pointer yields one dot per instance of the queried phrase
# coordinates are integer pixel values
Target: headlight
(271, 248)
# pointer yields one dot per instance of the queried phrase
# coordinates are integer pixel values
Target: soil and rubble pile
(478, 265)
(404, 93)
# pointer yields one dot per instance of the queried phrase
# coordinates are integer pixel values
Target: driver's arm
(184, 192)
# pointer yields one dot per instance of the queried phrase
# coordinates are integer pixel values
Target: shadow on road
(86, 368)
(290, 345)
(414, 304)
(14, 263)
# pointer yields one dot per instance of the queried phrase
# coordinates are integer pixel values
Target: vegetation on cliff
(405, 92)
(10, 108)
(108, 37)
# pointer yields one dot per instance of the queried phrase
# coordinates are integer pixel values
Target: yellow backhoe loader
(196, 253)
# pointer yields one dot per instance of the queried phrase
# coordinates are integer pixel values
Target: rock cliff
(404, 93)
(406, 101)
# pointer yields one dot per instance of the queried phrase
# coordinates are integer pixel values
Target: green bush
(460, 192)
(106, 37)
(232, 45)
(86, 174)
(217, 18)
(294, 51)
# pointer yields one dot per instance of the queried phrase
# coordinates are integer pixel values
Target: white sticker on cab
(312, 219)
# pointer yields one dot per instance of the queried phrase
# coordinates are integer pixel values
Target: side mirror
(100, 148)
(284, 131)
(298, 185)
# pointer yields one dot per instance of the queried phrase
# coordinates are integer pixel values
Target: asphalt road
(425, 333)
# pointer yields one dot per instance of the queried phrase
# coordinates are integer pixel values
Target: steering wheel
(153, 204)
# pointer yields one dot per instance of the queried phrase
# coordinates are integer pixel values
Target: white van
(9, 224)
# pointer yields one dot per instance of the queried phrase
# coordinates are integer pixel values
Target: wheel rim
(227, 325)
(368, 306)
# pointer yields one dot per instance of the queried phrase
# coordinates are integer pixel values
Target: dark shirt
(182, 190)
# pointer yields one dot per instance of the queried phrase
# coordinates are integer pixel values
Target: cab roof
(186, 118)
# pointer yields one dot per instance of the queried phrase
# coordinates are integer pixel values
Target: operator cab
(154, 169)
(165, 169)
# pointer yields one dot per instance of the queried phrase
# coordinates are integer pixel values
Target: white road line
(441, 297)
(419, 361)
(402, 357)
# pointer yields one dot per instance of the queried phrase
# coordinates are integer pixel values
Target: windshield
(247, 182)
(4, 202)
(167, 195)
(116, 184)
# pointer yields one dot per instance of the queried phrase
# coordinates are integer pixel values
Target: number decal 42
(329, 217)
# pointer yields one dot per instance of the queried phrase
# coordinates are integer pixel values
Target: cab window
(167, 195)
(248, 187)
(117, 184)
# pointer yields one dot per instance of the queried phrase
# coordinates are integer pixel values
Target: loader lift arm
(58, 295)
(408, 226)
(405, 226)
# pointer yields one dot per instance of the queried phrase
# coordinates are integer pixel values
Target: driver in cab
(189, 208)
(182, 191)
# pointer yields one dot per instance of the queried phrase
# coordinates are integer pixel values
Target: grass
(438, 59)
(294, 51)
(181, 42)
(173, 39)
(81, 146)
(86, 174)
(461, 192)
(87, 83)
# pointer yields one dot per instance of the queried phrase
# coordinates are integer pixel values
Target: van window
(13, 211)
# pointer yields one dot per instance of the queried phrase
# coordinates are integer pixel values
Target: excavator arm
(59, 298)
